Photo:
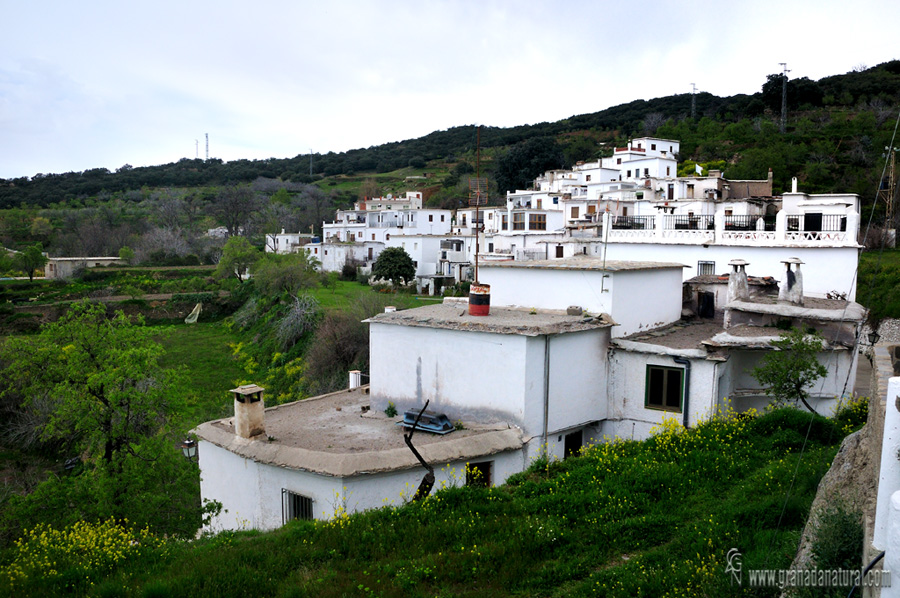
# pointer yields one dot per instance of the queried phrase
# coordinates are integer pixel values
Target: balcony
(800, 230)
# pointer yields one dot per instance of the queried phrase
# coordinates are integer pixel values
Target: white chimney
(389, 309)
(793, 184)
(738, 288)
(249, 411)
(355, 379)
(790, 289)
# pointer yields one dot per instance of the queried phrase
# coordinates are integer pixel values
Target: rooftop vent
(791, 288)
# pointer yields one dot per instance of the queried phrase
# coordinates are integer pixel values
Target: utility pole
(693, 101)
(207, 147)
(310, 161)
(784, 80)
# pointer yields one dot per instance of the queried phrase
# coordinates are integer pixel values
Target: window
(463, 219)
(373, 236)
(653, 146)
(431, 218)
(519, 221)
(359, 235)
(537, 222)
(668, 170)
(574, 213)
(664, 388)
(478, 474)
(646, 172)
(490, 215)
(539, 202)
(573, 444)
(629, 174)
(587, 178)
(505, 223)
(387, 237)
(442, 217)
(618, 160)
(295, 506)
(490, 248)
(706, 268)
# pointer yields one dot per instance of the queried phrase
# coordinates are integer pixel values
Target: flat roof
(501, 320)
(585, 263)
(338, 435)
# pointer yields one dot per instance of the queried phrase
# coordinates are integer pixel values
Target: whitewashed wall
(628, 417)
(251, 492)
(825, 268)
(636, 299)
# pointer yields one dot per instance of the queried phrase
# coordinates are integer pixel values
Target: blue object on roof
(436, 423)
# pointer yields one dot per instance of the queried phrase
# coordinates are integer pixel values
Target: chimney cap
(793, 260)
(247, 389)
(738, 262)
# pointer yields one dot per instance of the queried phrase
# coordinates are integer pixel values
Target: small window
(505, 224)
(646, 172)
(442, 217)
(629, 174)
(373, 236)
(618, 160)
(653, 146)
(295, 506)
(706, 268)
(587, 178)
(387, 237)
(574, 213)
(668, 170)
(359, 235)
(479, 474)
(490, 248)
(664, 388)
(431, 218)
(573, 444)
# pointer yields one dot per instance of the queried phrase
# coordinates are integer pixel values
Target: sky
(101, 84)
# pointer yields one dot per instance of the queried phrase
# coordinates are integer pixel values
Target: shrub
(301, 318)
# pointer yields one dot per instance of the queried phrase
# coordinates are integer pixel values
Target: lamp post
(189, 448)
(874, 337)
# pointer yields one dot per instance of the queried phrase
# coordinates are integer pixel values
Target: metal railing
(745, 222)
(684, 222)
(633, 222)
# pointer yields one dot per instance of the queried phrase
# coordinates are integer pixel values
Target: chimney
(249, 411)
(790, 289)
(793, 184)
(355, 379)
(738, 289)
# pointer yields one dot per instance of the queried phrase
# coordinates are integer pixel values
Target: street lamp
(874, 337)
(189, 448)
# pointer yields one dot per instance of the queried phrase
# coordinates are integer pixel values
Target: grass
(651, 518)
(203, 349)
(879, 283)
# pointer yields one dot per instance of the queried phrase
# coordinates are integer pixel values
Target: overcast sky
(102, 83)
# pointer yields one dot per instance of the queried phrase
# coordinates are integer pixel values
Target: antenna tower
(784, 81)
(478, 195)
(693, 101)
(888, 188)
(196, 149)
(207, 146)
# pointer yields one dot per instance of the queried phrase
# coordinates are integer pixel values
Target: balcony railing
(746, 222)
(681, 222)
(633, 222)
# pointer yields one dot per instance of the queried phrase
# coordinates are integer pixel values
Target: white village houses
(579, 349)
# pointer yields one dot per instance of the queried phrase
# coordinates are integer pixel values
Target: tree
(237, 257)
(31, 259)
(126, 253)
(94, 387)
(394, 264)
(517, 168)
(788, 372)
(276, 274)
(234, 206)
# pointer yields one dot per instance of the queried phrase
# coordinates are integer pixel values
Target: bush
(300, 319)
(349, 272)
(821, 429)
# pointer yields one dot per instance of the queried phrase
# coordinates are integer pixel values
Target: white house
(65, 267)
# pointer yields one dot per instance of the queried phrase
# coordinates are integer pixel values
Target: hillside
(652, 518)
(837, 128)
